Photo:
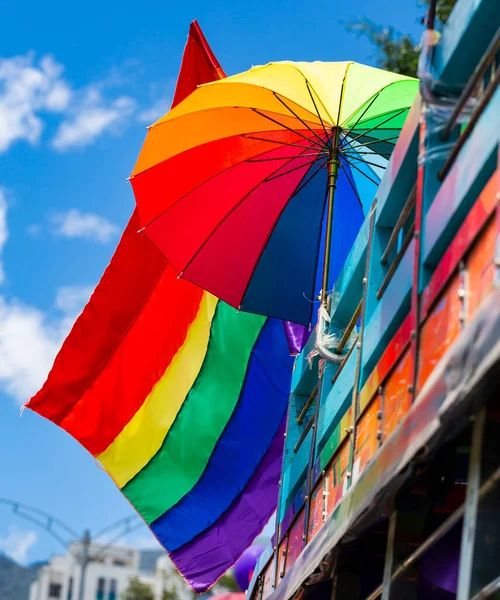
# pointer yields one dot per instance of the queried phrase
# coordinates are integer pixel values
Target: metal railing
(488, 61)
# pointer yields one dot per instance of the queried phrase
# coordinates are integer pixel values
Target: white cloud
(17, 543)
(161, 95)
(4, 234)
(29, 342)
(91, 117)
(28, 88)
(31, 338)
(76, 224)
(155, 111)
(71, 299)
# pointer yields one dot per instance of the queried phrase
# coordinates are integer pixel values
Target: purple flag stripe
(206, 558)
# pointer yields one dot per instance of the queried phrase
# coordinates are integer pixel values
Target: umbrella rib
(310, 85)
(393, 116)
(367, 153)
(272, 177)
(259, 139)
(318, 244)
(284, 126)
(363, 113)
(375, 141)
(377, 183)
(317, 112)
(301, 120)
(300, 185)
(353, 186)
(225, 217)
(256, 160)
(365, 162)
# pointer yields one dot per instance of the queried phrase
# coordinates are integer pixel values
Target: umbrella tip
(180, 275)
(239, 308)
(129, 178)
(141, 230)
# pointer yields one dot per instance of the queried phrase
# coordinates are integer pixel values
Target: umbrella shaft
(333, 173)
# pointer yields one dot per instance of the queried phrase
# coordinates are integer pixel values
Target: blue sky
(78, 84)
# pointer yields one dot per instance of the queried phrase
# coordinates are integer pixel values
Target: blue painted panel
(337, 401)
(389, 314)
(469, 174)
(304, 375)
(294, 474)
(401, 172)
(348, 288)
(469, 29)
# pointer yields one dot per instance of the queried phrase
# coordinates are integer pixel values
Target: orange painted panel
(439, 330)
(296, 539)
(282, 552)
(481, 267)
(336, 482)
(397, 398)
(366, 436)
(268, 585)
(316, 517)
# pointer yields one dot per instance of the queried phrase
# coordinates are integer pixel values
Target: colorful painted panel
(439, 330)
(296, 540)
(481, 267)
(268, 585)
(386, 362)
(473, 223)
(336, 480)
(397, 397)
(282, 552)
(317, 511)
(367, 436)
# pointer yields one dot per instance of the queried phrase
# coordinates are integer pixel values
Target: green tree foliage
(137, 590)
(227, 583)
(396, 51)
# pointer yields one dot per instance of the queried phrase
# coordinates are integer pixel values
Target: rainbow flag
(181, 399)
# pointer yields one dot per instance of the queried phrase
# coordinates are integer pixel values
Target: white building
(107, 575)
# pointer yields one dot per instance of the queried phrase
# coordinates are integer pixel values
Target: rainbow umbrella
(236, 185)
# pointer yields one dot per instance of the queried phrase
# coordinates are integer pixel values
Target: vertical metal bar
(415, 291)
(312, 453)
(471, 504)
(333, 173)
(277, 529)
(84, 564)
(359, 344)
(389, 556)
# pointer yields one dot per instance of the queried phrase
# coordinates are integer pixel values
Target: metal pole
(333, 173)
(84, 563)
(471, 507)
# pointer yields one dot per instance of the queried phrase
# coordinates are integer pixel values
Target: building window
(119, 563)
(70, 589)
(55, 590)
(101, 584)
(113, 591)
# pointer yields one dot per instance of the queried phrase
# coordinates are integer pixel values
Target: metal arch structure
(52, 525)
(65, 534)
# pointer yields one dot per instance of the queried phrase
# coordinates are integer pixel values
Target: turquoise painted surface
(348, 288)
(465, 37)
(294, 474)
(401, 172)
(337, 402)
(473, 167)
(389, 314)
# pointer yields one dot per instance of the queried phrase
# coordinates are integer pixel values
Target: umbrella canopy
(236, 184)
